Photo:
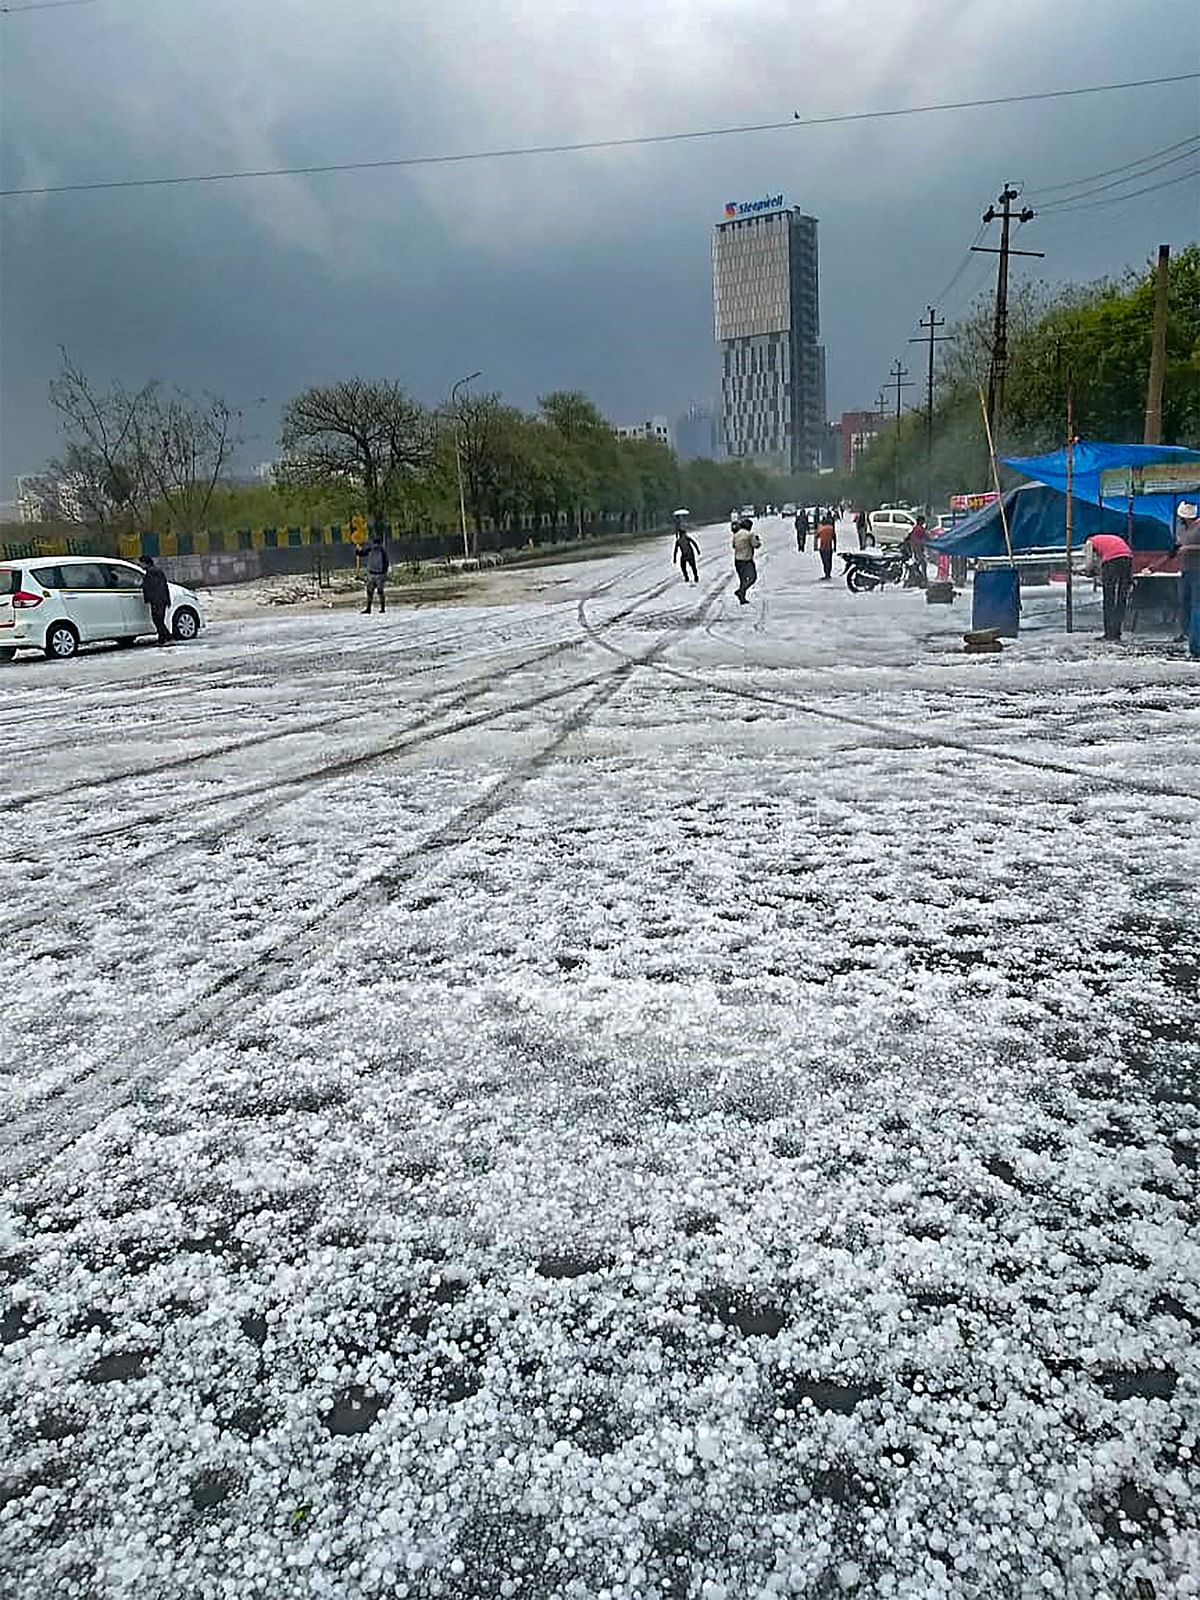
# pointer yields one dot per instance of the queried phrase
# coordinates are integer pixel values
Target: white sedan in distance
(57, 603)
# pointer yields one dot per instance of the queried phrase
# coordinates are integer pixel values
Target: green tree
(366, 434)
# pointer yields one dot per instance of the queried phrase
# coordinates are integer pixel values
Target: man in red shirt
(1114, 558)
(826, 542)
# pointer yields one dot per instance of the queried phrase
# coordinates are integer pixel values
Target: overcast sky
(583, 270)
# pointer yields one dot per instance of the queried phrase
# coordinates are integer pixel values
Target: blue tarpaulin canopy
(1092, 458)
(1037, 520)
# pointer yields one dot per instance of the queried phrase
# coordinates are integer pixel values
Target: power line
(1117, 183)
(1092, 177)
(1068, 230)
(1115, 199)
(940, 299)
(630, 142)
(43, 5)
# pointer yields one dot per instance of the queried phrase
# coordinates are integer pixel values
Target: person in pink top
(1109, 553)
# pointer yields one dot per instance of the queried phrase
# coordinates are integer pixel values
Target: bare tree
(129, 453)
(100, 479)
(184, 447)
(359, 432)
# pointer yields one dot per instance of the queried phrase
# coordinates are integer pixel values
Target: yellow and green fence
(222, 541)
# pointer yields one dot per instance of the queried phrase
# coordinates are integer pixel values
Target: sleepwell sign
(1156, 477)
(752, 208)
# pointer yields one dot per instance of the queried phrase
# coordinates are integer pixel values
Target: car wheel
(185, 624)
(7, 652)
(61, 641)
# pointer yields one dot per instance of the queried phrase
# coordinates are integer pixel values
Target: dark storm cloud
(586, 269)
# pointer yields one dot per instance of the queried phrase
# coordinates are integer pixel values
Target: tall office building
(765, 302)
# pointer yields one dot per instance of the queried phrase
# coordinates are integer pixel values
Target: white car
(891, 525)
(57, 603)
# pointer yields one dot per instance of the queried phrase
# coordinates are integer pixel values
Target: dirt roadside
(516, 582)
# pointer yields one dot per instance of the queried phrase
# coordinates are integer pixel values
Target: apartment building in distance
(657, 429)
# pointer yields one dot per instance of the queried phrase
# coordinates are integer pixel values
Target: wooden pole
(1070, 502)
(1158, 349)
(987, 423)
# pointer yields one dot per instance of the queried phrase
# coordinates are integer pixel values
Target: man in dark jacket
(157, 595)
(801, 528)
(376, 558)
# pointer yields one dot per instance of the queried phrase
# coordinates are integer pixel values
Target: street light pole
(462, 499)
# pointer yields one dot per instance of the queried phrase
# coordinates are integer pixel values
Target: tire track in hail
(264, 792)
(17, 803)
(24, 1140)
(908, 737)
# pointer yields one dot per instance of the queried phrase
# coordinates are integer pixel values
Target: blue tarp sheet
(1037, 520)
(1092, 457)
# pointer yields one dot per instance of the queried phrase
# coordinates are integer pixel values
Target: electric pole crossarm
(993, 250)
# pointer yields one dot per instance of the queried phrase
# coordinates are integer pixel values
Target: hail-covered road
(614, 1095)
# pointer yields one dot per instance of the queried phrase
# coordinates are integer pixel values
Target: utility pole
(462, 498)
(998, 367)
(1070, 499)
(1158, 349)
(935, 322)
(1070, 520)
(896, 381)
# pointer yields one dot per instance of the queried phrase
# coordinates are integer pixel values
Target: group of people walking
(824, 532)
(745, 542)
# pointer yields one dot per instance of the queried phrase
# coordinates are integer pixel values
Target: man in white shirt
(745, 542)
(1187, 546)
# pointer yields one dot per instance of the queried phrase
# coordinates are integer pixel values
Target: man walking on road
(826, 543)
(745, 542)
(801, 529)
(862, 527)
(376, 557)
(157, 595)
(685, 552)
(1114, 558)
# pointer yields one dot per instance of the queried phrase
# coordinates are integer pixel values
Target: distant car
(57, 603)
(789, 510)
(943, 523)
(748, 511)
(891, 525)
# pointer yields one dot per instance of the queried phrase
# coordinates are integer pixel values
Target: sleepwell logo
(751, 208)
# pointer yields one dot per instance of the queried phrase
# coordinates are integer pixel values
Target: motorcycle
(871, 569)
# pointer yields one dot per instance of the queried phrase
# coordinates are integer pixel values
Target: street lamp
(462, 499)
